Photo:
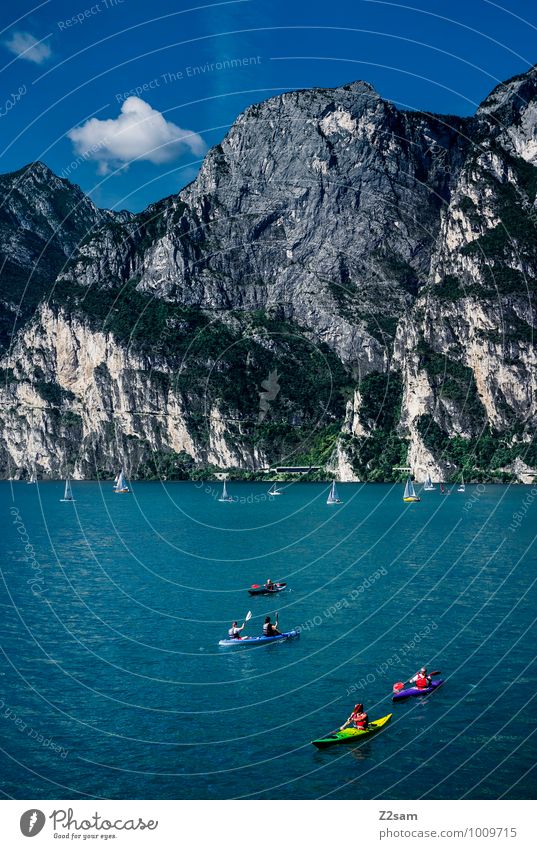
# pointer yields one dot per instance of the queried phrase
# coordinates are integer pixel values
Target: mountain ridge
(393, 259)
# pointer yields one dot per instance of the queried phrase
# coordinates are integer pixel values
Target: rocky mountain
(42, 221)
(345, 284)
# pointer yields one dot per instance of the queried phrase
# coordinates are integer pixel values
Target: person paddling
(358, 718)
(421, 679)
(270, 630)
(269, 585)
(235, 632)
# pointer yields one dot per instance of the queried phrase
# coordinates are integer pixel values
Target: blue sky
(68, 68)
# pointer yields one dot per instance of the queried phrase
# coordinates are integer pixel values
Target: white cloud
(24, 44)
(139, 132)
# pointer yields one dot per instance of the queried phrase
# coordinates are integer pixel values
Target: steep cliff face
(471, 369)
(42, 221)
(344, 284)
(88, 391)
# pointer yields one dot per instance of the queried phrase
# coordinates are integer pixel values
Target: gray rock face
(42, 222)
(351, 244)
(319, 202)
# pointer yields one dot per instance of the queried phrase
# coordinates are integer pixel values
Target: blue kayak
(416, 691)
(256, 641)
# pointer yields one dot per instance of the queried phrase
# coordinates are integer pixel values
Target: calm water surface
(112, 683)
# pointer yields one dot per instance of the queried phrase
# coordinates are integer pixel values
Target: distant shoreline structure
(256, 479)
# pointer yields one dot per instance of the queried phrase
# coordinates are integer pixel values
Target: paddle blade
(248, 616)
(398, 687)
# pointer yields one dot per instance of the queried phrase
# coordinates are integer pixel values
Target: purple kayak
(416, 691)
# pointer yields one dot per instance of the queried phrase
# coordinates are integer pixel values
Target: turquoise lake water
(112, 683)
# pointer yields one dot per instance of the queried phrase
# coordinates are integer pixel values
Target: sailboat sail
(462, 487)
(429, 485)
(410, 493)
(67, 493)
(120, 484)
(333, 497)
(225, 496)
(274, 490)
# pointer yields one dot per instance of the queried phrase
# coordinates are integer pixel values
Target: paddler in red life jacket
(358, 717)
(235, 632)
(421, 679)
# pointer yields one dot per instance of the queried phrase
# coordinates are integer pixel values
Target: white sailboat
(120, 484)
(33, 478)
(333, 497)
(429, 485)
(462, 487)
(409, 494)
(274, 490)
(67, 494)
(225, 496)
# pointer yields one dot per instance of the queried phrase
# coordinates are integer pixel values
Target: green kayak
(353, 735)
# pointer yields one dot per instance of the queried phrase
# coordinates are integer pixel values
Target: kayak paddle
(246, 619)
